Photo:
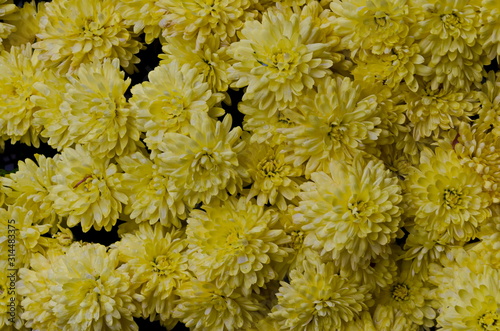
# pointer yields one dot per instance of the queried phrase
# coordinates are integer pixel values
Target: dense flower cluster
(280, 165)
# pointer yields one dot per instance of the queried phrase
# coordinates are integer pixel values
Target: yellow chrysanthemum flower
(10, 308)
(203, 165)
(432, 110)
(279, 59)
(85, 190)
(318, 298)
(166, 103)
(7, 7)
(386, 318)
(449, 37)
(273, 180)
(446, 197)
(490, 28)
(20, 236)
(144, 15)
(20, 70)
(236, 244)
(29, 188)
(26, 22)
(146, 185)
(204, 306)
(198, 19)
(157, 263)
(87, 288)
(351, 214)
(375, 25)
(75, 32)
(333, 124)
(210, 59)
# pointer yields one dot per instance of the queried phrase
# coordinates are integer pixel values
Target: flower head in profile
(147, 188)
(157, 262)
(88, 291)
(26, 21)
(75, 32)
(236, 245)
(7, 8)
(333, 123)
(318, 298)
(168, 100)
(490, 27)
(279, 59)
(85, 190)
(446, 197)
(204, 306)
(203, 164)
(20, 70)
(351, 214)
(273, 180)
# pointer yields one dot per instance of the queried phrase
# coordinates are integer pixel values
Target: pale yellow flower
(7, 8)
(204, 164)
(75, 32)
(490, 28)
(26, 21)
(236, 244)
(144, 15)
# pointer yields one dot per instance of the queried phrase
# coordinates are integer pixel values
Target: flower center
(336, 131)
(400, 292)
(205, 160)
(381, 19)
(297, 239)
(235, 242)
(270, 168)
(359, 208)
(322, 307)
(452, 197)
(91, 29)
(84, 183)
(490, 321)
(451, 21)
(163, 265)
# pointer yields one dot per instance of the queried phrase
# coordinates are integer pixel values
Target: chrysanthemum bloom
(198, 19)
(449, 37)
(446, 197)
(7, 7)
(144, 15)
(75, 32)
(318, 298)
(8, 293)
(18, 227)
(273, 180)
(157, 263)
(468, 294)
(410, 296)
(29, 188)
(333, 123)
(20, 69)
(431, 110)
(85, 190)
(374, 25)
(166, 103)
(401, 64)
(204, 306)
(88, 291)
(96, 111)
(279, 59)
(480, 150)
(26, 22)
(387, 318)
(490, 28)
(146, 185)
(351, 214)
(204, 164)
(210, 59)
(236, 244)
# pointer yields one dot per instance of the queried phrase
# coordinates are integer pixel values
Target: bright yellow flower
(198, 19)
(85, 190)
(144, 15)
(273, 180)
(29, 188)
(75, 32)
(236, 244)
(146, 185)
(375, 25)
(318, 298)
(449, 37)
(203, 165)
(87, 288)
(166, 103)
(333, 123)
(279, 59)
(446, 197)
(156, 260)
(204, 306)
(20, 70)
(351, 214)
